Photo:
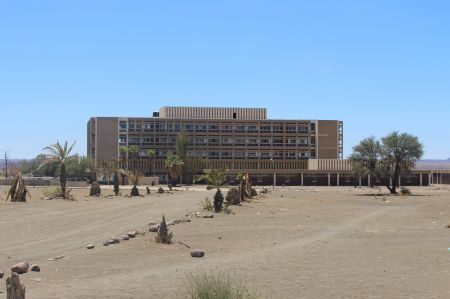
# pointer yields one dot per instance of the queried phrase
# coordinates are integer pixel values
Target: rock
(2, 274)
(197, 253)
(140, 232)
(176, 221)
(113, 241)
(131, 234)
(90, 246)
(208, 216)
(106, 243)
(35, 268)
(153, 228)
(20, 268)
(125, 238)
(170, 223)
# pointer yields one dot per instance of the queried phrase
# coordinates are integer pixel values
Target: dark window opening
(234, 115)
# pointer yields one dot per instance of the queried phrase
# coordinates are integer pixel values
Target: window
(189, 128)
(239, 155)
(313, 127)
(265, 155)
(265, 128)
(214, 141)
(291, 129)
(123, 138)
(304, 141)
(278, 129)
(239, 141)
(227, 155)
(234, 115)
(291, 155)
(239, 128)
(313, 154)
(303, 129)
(252, 128)
(292, 141)
(213, 155)
(131, 126)
(123, 125)
(278, 155)
(252, 155)
(252, 141)
(200, 128)
(278, 142)
(213, 128)
(200, 141)
(227, 128)
(265, 142)
(313, 141)
(227, 141)
(303, 155)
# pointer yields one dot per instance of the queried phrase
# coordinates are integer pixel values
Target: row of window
(238, 154)
(217, 141)
(163, 127)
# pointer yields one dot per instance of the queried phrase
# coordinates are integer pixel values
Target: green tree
(133, 150)
(151, 155)
(387, 160)
(112, 167)
(217, 179)
(182, 145)
(174, 164)
(59, 154)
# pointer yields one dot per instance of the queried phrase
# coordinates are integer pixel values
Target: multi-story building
(238, 139)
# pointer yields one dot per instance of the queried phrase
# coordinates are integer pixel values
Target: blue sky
(377, 65)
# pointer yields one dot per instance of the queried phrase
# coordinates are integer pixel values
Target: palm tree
(133, 149)
(151, 154)
(216, 178)
(174, 164)
(59, 154)
(113, 168)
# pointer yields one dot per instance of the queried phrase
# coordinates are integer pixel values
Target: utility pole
(6, 165)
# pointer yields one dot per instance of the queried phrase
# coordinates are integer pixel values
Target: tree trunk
(14, 289)
(116, 183)
(396, 177)
(62, 179)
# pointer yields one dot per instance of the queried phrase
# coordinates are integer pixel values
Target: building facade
(238, 139)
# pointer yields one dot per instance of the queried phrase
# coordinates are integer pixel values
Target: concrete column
(368, 180)
(360, 182)
(274, 180)
(337, 179)
(329, 179)
(301, 178)
(421, 181)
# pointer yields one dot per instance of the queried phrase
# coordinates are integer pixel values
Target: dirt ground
(296, 242)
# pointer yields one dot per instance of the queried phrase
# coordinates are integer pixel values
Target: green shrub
(405, 191)
(217, 286)
(206, 204)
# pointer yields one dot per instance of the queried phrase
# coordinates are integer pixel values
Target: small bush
(95, 189)
(233, 197)
(163, 236)
(217, 286)
(206, 204)
(50, 193)
(218, 201)
(405, 191)
(160, 190)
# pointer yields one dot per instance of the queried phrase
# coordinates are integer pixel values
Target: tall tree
(60, 154)
(151, 155)
(182, 145)
(174, 164)
(6, 164)
(133, 150)
(387, 160)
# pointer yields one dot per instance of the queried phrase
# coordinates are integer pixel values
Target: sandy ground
(297, 242)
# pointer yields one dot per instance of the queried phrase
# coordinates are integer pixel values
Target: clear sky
(377, 65)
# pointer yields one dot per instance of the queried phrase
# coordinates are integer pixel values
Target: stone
(20, 268)
(197, 253)
(208, 216)
(153, 228)
(90, 246)
(2, 274)
(170, 223)
(131, 234)
(35, 268)
(125, 238)
(113, 241)
(106, 243)
(140, 232)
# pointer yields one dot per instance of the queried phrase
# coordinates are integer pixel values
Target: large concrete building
(239, 139)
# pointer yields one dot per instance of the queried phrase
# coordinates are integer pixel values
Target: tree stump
(14, 289)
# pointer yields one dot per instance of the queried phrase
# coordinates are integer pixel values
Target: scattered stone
(20, 268)
(197, 253)
(139, 232)
(90, 246)
(219, 238)
(175, 221)
(35, 268)
(2, 274)
(153, 228)
(208, 216)
(281, 195)
(57, 258)
(125, 238)
(113, 241)
(131, 234)
(106, 243)
(170, 223)
(36, 279)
